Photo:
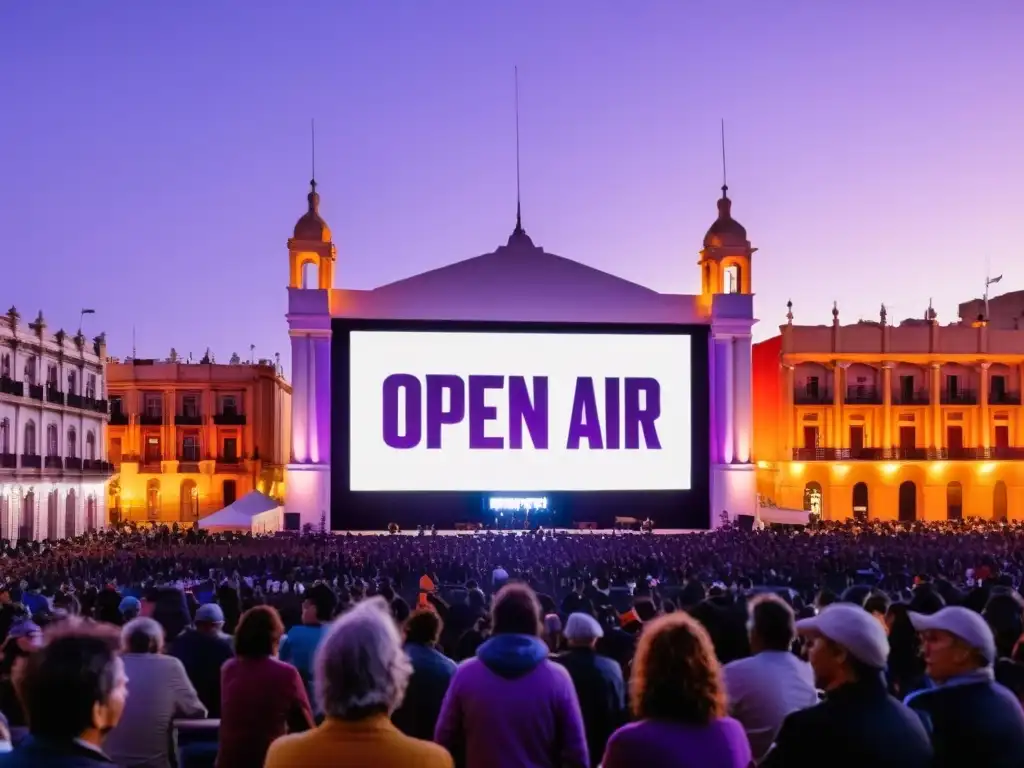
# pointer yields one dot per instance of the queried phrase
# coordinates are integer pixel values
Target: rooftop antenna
(312, 149)
(725, 183)
(519, 210)
(133, 341)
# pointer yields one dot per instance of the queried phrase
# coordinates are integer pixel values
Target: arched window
(30, 371)
(72, 444)
(90, 446)
(908, 502)
(5, 366)
(153, 499)
(29, 448)
(52, 512)
(813, 499)
(954, 501)
(190, 448)
(5, 436)
(52, 441)
(999, 502)
(72, 383)
(27, 522)
(310, 275)
(51, 376)
(70, 509)
(189, 501)
(860, 502)
(731, 279)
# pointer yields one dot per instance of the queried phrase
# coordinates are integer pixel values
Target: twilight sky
(155, 156)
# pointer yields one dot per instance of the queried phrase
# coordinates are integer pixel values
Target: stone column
(935, 407)
(984, 428)
(311, 402)
(838, 396)
(300, 398)
(887, 405)
(723, 397)
(743, 423)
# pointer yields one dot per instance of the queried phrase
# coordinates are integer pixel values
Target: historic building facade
(53, 415)
(187, 439)
(520, 281)
(916, 421)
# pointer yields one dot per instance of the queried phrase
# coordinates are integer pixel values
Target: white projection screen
(519, 411)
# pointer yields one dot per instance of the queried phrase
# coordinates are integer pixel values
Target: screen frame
(355, 510)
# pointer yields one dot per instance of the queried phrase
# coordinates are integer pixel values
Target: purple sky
(155, 156)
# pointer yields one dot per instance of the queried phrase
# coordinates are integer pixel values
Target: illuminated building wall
(188, 439)
(916, 421)
(53, 413)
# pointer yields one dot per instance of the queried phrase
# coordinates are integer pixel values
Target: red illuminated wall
(767, 378)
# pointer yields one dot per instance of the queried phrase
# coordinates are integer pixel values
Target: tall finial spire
(519, 208)
(312, 197)
(725, 181)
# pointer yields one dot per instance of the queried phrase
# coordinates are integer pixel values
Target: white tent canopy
(255, 512)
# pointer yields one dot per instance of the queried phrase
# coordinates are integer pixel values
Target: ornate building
(53, 413)
(916, 421)
(188, 439)
(520, 281)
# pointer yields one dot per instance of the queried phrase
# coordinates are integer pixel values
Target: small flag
(993, 280)
(88, 311)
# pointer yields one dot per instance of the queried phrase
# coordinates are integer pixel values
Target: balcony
(9, 386)
(31, 462)
(8, 461)
(151, 419)
(229, 464)
(53, 462)
(72, 462)
(54, 396)
(908, 454)
(809, 397)
(188, 419)
(229, 419)
(1004, 398)
(35, 391)
(918, 397)
(96, 465)
(119, 418)
(100, 406)
(863, 396)
(75, 401)
(961, 397)
(188, 467)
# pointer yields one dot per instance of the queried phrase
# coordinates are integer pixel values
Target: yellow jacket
(370, 743)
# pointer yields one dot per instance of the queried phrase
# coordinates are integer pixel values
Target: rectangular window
(229, 405)
(856, 439)
(90, 386)
(116, 405)
(953, 387)
(230, 449)
(190, 406)
(906, 389)
(812, 387)
(998, 389)
(154, 407)
(908, 438)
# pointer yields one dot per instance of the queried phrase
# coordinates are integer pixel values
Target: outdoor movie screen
(519, 411)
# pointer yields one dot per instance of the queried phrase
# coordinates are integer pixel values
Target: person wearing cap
(203, 650)
(972, 719)
(129, 608)
(597, 680)
(859, 723)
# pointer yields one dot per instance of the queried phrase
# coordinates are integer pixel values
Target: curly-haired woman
(678, 698)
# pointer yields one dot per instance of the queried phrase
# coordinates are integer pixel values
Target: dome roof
(726, 232)
(311, 226)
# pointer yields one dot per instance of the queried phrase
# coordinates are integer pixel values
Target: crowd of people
(856, 644)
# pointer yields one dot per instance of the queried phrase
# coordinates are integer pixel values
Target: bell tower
(725, 258)
(310, 248)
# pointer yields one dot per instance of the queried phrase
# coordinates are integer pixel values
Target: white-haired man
(159, 690)
(360, 676)
(597, 680)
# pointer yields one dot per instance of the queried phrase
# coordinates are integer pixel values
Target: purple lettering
(611, 413)
(531, 411)
(584, 422)
(411, 417)
(480, 413)
(641, 416)
(437, 414)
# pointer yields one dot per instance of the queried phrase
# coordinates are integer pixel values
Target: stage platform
(556, 531)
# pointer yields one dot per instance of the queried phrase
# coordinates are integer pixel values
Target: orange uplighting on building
(917, 421)
(188, 439)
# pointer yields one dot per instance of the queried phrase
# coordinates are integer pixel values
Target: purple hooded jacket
(511, 707)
